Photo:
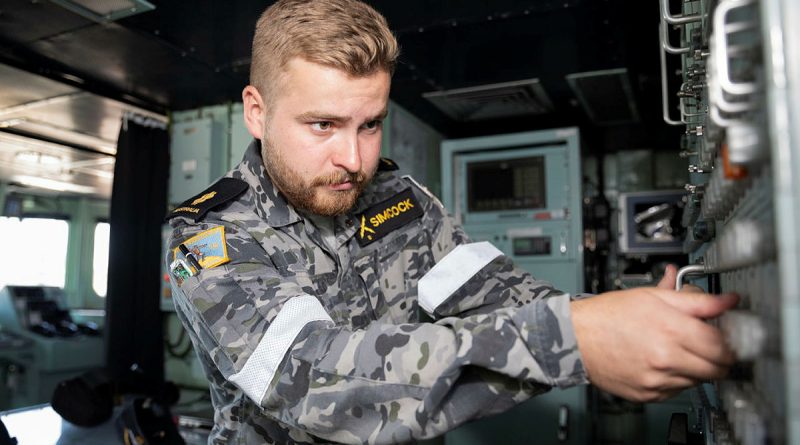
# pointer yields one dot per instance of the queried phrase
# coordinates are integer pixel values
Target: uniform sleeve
(274, 340)
(471, 278)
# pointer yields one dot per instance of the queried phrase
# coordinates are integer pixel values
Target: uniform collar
(383, 186)
(270, 204)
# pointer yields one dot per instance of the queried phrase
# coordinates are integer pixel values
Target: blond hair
(344, 34)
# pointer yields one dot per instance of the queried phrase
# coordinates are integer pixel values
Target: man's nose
(347, 155)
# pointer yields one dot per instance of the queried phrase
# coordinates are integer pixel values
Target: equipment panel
(191, 152)
(521, 192)
(739, 63)
(41, 345)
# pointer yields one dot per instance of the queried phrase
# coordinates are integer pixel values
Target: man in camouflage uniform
(335, 301)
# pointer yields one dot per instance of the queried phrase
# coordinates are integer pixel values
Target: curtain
(134, 330)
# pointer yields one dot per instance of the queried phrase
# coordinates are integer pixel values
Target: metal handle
(721, 30)
(719, 120)
(732, 28)
(677, 19)
(666, 45)
(718, 104)
(694, 269)
(718, 98)
(685, 114)
(744, 331)
(665, 91)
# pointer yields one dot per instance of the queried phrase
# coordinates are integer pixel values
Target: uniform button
(349, 222)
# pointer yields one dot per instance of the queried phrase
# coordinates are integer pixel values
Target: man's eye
(372, 125)
(321, 126)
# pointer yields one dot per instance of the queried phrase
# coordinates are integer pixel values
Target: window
(100, 259)
(34, 251)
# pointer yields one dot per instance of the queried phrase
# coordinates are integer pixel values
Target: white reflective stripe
(260, 368)
(453, 271)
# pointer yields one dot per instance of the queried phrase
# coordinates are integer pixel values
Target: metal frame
(781, 40)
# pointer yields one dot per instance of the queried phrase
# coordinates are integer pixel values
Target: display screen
(511, 184)
(532, 245)
(658, 222)
(650, 222)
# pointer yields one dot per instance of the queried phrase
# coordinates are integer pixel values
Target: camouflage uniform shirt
(304, 342)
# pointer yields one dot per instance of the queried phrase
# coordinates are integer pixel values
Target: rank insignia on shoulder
(386, 216)
(205, 250)
(220, 192)
(387, 164)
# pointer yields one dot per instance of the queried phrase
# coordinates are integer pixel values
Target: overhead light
(75, 79)
(52, 184)
(38, 158)
(99, 173)
(8, 123)
(93, 167)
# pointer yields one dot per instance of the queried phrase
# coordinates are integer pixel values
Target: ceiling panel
(27, 163)
(50, 110)
(140, 64)
(25, 21)
(19, 87)
(187, 54)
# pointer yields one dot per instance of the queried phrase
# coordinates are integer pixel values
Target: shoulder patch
(220, 192)
(206, 249)
(386, 165)
(386, 216)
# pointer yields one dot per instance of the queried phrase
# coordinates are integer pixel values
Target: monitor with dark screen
(511, 184)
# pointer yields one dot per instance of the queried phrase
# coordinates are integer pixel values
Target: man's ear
(254, 111)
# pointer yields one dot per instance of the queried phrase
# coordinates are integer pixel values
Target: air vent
(523, 97)
(103, 11)
(606, 96)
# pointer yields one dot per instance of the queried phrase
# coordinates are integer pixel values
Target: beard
(313, 197)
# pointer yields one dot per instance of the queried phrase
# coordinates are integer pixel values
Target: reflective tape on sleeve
(259, 370)
(453, 271)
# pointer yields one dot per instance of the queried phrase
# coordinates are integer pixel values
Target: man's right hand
(647, 344)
